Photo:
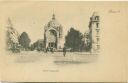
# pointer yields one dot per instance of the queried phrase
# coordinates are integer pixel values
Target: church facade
(53, 34)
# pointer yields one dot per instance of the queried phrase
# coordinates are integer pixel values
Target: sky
(31, 17)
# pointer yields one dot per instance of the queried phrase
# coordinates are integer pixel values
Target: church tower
(94, 32)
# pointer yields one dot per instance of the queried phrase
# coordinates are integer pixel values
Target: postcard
(52, 41)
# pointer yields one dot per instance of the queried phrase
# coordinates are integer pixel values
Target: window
(98, 46)
(98, 39)
(97, 18)
(97, 25)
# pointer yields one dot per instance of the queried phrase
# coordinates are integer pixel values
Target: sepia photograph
(50, 41)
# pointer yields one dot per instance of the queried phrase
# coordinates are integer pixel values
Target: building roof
(95, 14)
(53, 22)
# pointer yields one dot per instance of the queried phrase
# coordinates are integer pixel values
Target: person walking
(64, 51)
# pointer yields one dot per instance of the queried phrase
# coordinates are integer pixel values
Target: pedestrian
(52, 49)
(64, 51)
(46, 50)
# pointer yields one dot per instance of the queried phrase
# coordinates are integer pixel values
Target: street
(55, 58)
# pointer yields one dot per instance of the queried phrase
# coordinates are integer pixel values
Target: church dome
(54, 23)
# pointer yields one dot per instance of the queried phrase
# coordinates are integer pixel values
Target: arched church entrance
(53, 39)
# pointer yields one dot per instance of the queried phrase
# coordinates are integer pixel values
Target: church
(53, 34)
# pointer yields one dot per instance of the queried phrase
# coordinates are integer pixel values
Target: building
(94, 32)
(53, 34)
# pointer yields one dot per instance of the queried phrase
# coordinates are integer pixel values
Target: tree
(73, 40)
(38, 45)
(12, 37)
(24, 40)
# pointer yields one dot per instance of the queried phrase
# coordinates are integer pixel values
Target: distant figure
(46, 50)
(64, 51)
(52, 50)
